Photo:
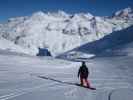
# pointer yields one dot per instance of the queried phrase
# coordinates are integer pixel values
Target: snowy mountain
(60, 32)
(116, 43)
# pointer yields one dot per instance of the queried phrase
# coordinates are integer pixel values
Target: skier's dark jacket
(83, 72)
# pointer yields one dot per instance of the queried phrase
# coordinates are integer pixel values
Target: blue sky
(14, 8)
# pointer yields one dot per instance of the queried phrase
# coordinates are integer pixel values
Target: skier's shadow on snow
(67, 83)
(52, 79)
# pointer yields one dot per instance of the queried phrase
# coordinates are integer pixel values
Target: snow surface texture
(19, 81)
(59, 32)
(121, 94)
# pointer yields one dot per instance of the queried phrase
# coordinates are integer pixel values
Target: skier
(83, 73)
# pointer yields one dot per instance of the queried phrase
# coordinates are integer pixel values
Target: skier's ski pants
(84, 81)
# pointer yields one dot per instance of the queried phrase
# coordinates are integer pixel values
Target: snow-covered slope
(10, 46)
(60, 32)
(119, 42)
(19, 78)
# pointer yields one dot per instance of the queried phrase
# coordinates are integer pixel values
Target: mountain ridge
(60, 32)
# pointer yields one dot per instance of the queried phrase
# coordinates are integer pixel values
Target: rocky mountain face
(59, 32)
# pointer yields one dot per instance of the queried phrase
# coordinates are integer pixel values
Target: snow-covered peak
(58, 14)
(89, 15)
(82, 16)
(39, 13)
(62, 14)
(129, 10)
(125, 13)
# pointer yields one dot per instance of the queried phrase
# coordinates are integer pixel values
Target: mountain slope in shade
(119, 42)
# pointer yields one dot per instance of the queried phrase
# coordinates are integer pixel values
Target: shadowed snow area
(19, 81)
(109, 42)
(116, 43)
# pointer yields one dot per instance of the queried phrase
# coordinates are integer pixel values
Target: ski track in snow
(19, 79)
(20, 92)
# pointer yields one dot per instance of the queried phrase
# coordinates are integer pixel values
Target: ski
(91, 88)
